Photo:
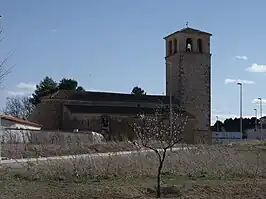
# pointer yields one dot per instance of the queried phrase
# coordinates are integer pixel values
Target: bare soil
(16, 187)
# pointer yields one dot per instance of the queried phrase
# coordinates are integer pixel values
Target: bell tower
(188, 73)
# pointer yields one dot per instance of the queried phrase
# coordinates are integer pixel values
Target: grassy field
(219, 171)
(141, 187)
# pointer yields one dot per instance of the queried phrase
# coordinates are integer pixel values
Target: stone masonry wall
(120, 126)
(191, 85)
(203, 137)
(48, 114)
(195, 91)
(191, 78)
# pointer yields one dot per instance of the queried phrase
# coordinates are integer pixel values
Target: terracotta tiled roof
(18, 120)
(104, 96)
(189, 30)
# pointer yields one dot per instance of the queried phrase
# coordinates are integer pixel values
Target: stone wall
(190, 78)
(118, 128)
(196, 88)
(48, 137)
(48, 114)
(189, 137)
(81, 121)
(54, 116)
(203, 137)
(191, 84)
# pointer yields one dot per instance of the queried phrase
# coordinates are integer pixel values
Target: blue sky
(116, 45)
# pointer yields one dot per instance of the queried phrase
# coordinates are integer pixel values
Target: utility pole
(217, 124)
(260, 99)
(256, 119)
(240, 108)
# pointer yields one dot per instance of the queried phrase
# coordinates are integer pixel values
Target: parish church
(188, 81)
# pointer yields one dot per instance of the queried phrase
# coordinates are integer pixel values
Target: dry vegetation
(15, 151)
(56, 145)
(218, 171)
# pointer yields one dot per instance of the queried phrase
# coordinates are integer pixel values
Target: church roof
(109, 96)
(190, 31)
(117, 110)
(99, 102)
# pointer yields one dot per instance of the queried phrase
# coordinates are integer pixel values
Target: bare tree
(156, 128)
(3, 69)
(18, 107)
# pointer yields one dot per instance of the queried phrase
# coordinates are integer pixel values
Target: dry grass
(15, 151)
(206, 172)
(126, 188)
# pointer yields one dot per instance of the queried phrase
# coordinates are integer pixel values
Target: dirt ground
(196, 174)
(202, 187)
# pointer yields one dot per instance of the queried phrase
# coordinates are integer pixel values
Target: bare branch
(157, 128)
(4, 71)
(18, 107)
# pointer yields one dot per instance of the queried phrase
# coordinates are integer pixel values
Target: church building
(188, 72)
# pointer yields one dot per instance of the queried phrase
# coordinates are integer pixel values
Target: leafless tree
(156, 128)
(3, 69)
(18, 107)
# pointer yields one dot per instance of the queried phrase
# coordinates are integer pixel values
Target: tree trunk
(158, 191)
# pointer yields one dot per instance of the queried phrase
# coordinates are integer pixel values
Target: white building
(253, 134)
(16, 130)
(9, 122)
(226, 135)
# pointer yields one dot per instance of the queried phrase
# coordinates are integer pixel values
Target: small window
(175, 46)
(199, 44)
(189, 45)
(170, 47)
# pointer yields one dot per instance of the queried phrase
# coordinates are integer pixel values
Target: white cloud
(257, 68)
(26, 86)
(234, 81)
(242, 57)
(24, 89)
(14, 93)
(257, 101)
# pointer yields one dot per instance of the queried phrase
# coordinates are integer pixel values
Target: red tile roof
(18, 120)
